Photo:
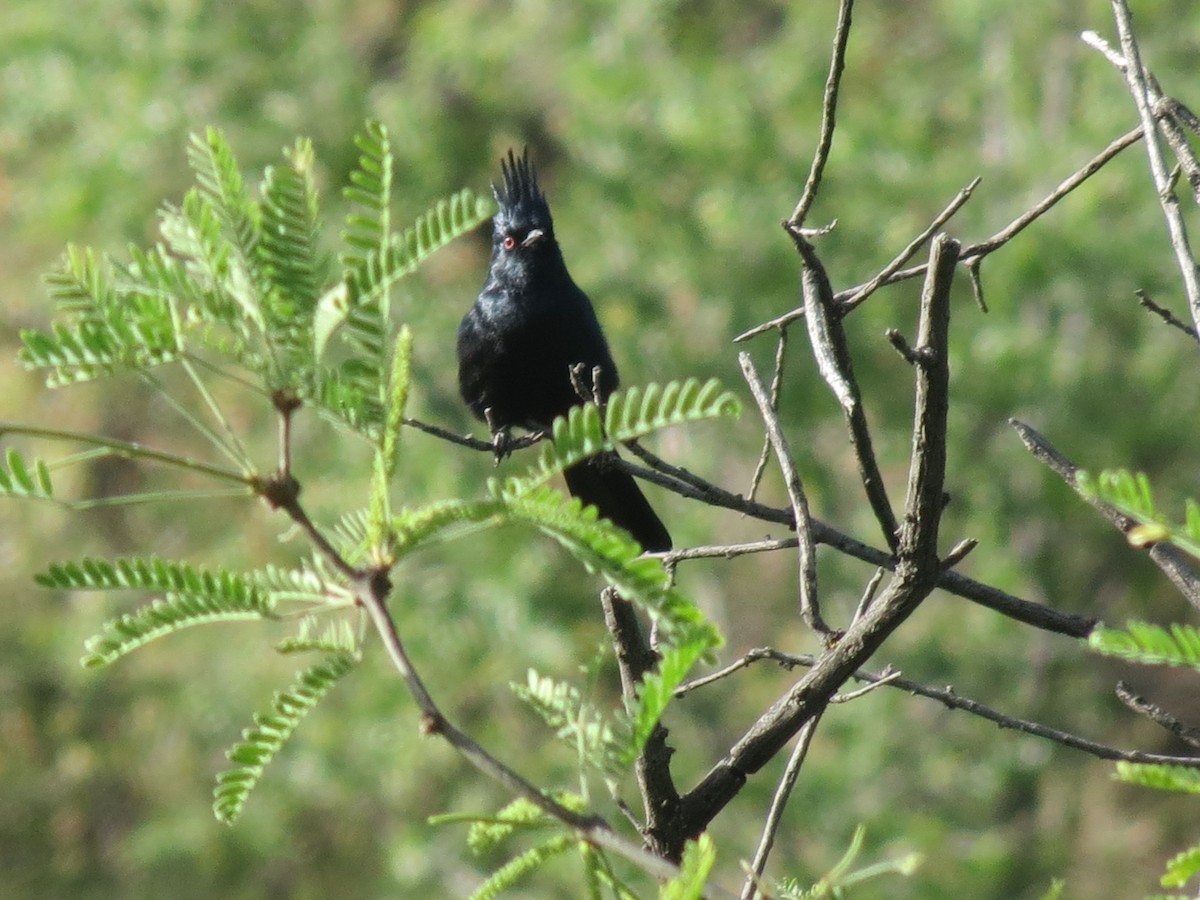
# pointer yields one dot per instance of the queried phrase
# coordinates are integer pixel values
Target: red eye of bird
(509, 242)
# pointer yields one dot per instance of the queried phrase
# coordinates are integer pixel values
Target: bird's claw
(501, 437)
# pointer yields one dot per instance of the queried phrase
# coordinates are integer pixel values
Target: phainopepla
(530, 325)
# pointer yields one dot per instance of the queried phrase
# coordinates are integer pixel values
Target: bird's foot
(501, 437)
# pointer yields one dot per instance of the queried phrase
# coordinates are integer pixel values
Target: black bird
(529, 326)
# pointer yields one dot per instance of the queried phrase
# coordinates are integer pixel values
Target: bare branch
(827, 336)
(973, 253)
(778, 803)
(810, 608)
(1175, 564)
(913, 246)
(952, 700)
(776, 391)
(916, 574)
(688, 485)
(1166, 315)
(837, 64)
(1189, 734)
(1135, 76)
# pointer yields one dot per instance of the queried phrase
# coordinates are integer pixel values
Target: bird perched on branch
(529, 328)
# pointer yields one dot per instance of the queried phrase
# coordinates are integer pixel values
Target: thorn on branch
(973, 266)
(959, 551)
(914, 356)
(808, 233)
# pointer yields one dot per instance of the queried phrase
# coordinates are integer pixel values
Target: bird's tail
(618, 498)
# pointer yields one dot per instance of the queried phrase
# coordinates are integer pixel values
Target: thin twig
(973, 253)
(126, 449)
(888, 676)
(1166, 315)
(776, 391)
(1189, 734)
(778, 803)
(827, 335)
(952, 700)
(1135, 76)
(473, 443)
(1174, 563)
(917, 571)
(810, 607)
(914, 245)
(837, 65)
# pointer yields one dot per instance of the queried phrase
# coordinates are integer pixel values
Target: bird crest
(522, 204)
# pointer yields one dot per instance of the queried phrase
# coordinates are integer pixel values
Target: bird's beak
(533, 237)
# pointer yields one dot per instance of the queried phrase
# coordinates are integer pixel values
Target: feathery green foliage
(16, 479)
(1179, 779)
(842, 876)
(271, 730)
(224, 601)
(1131, 494)
(1182, 868)
(1144, 642)
(107, 324)
(657, 690)
(628, 415)
(575, 722)
(240, 285)
(699, 856)
(523, 817)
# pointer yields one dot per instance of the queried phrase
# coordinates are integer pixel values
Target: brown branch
(916, 574)
(689, 485)
(827, 335)
(810, 608)
(1189, 734)
(1166, 315)
(1174, 563)
(474, 443)
(952, 700)
(837, 64)
(913, 246)
(972, 254)
(1136, 77)
(653, 766)
(776, 391)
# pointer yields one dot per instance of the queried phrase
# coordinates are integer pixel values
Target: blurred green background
(672, 138)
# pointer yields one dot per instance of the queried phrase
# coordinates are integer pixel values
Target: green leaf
(270, 731)
(1144, 642)
(291, 230)
(1182, 868)
(193, 597)
(106, 327)
(628, 415)
(699, 856)
(657, 690)
(16, 480)
(388, 452)
(608, 550)
(578, 724)
(1178, 779)
(222, 195)
(519, 867)
(518, 815)
(336, 637)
